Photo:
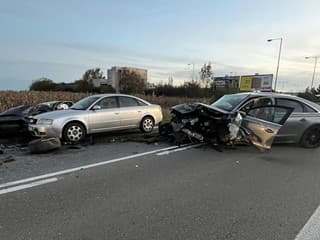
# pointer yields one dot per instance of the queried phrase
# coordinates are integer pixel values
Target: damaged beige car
(207, 123)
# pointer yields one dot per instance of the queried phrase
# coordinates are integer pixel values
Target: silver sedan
(96, 114)
(303, 125)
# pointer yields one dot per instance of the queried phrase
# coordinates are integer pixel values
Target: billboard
(246, 83)
(256, 82)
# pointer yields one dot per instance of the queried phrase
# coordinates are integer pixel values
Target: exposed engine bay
(204, 123)
(199, 122)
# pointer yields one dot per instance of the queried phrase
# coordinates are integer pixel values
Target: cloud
(66, 61)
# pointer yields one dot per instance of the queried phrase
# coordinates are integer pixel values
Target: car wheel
(311, 137)
(147, 124)
(73, 132)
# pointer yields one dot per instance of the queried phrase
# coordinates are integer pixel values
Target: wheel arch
(74, 121)
(307, 129)
(148, 115)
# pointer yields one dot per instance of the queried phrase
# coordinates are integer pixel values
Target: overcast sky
(61, 39)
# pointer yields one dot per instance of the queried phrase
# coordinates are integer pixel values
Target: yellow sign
(246, 83)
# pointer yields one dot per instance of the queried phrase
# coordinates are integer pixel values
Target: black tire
(311, 137)
(147, 124)
(74, 132)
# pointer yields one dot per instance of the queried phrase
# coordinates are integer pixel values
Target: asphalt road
(195, 193)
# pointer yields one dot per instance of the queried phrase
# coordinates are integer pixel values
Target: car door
(298, 121)
(130, 112)
(260, 125)
(104, 115)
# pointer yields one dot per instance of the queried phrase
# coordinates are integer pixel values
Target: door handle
(302, 120)
(116, 113)
(268, 130)
(139, 111)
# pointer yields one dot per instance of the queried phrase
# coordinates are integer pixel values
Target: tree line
(130, 83)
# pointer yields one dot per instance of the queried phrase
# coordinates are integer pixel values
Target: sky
(60, 40)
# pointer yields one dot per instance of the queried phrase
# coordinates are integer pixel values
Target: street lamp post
(314, 69)
(280, 47)
(192, 70)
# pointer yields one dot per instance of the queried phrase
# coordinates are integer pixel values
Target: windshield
(229, 102)
(84, 103)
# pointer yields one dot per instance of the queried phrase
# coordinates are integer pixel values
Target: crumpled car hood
(188, 108)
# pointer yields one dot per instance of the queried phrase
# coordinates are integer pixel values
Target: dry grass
(10, 99)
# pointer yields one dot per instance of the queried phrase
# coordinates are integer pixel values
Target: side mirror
(96, 107)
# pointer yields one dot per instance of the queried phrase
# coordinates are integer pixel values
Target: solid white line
(179, 149)
(66, 171)
(311, 230)
(28, 185)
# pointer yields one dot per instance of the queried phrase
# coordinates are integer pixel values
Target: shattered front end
(202, 123)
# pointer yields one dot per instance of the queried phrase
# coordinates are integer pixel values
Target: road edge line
(28, 185)
(66, 171)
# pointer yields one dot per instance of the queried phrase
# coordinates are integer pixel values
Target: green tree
(106, 89)
(42, 84)
(206, 74)
(131, 82)
(84, 86)
(94, 73)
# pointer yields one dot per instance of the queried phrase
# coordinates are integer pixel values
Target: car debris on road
(44, 145)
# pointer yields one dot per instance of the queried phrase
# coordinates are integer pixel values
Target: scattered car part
(6, 159)
(44, 145)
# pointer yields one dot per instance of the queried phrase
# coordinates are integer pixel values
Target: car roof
(112, 94)
(279, 95)
(119, 95)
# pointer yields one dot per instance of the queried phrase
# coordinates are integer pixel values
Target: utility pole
(314, 69)
(192, 71)
(279, 56)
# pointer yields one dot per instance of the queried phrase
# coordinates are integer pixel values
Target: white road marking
(66, 171)
(311, 230)
(28, 185)
(179, 149)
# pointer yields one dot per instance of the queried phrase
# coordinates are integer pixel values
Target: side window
(256, 102)
(108, 102)
(141, 103)
(297, 106)
(308, 109)
(128, 102)
(270, 114)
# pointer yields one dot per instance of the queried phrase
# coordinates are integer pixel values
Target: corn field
(9, 99)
